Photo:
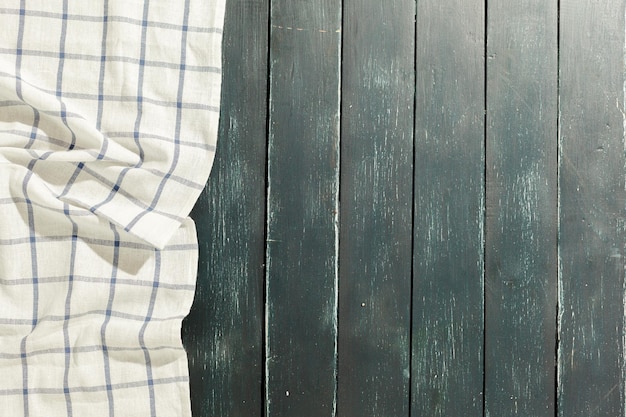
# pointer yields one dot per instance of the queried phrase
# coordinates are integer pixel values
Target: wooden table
(417, 208)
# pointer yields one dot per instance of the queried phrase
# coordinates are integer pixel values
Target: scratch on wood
(306, 30)
(595, 410)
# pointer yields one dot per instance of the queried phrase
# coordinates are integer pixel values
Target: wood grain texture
(376, 208)
(302, 225)
(521, 223)
(447, 371)
(223, 334)
(298, 314)
(591, 348)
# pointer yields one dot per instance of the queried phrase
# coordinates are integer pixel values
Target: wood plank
(223, 334)
(447, 370)
(521, 223)
(376, 208)
(302, 226)
(591, 348)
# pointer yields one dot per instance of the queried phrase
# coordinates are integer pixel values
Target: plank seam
(621, 223)
(558, 211)
(338, 208)
(265, 333)
(484, 204)
(413, 214)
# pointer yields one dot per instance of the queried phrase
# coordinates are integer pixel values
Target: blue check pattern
(108, 121)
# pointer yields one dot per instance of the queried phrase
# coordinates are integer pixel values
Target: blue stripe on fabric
(121, 99)
(97, 280)
(68, 298)
(99, 388)
(12, 103)
(33, 136)
(140, 79)
(105, 354)
(120, 19)
(35, 274)
(179, 99)
(59, 86)
(18, 50)
(63, 144)
(31, 221)
(198, 145)
(112, 58)
(99, 242)
(68, 303)
(106, 313)
(106, 97)
(59, 90)
(142, 331)
(87, 349)
(103, 53)
(18, 72)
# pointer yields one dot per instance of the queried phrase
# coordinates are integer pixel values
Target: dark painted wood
(376, 208)
(521, 223)
(447, 371)
(223, 334)
(591, 348)
(320, 344)
(302, 226)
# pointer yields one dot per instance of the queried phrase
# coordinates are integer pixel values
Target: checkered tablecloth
(108, 121)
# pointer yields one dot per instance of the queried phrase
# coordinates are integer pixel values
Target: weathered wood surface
(449, 197)
(376, 207)
(379, 233)
(521, 206)
(224, 332)
(591, 348)
(303, 208)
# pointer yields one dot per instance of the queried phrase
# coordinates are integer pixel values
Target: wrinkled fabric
(108, 122)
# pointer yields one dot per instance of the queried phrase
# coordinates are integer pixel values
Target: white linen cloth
(108, 121)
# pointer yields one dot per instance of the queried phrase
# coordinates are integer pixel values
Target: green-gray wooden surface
(417, 209)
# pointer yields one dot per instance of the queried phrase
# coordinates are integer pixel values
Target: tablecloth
(108, 122)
